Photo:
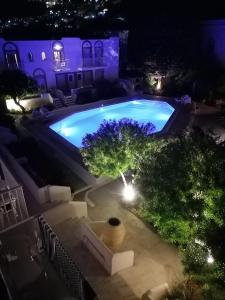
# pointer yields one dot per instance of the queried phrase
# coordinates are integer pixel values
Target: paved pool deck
(156, 261)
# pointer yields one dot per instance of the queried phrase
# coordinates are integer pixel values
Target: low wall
(64, 211)
(113, 262)
(48, 193)
(30, 103)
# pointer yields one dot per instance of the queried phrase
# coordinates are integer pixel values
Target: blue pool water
(74, 127)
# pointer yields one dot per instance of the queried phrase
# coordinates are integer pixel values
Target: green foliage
(115, 147)
(182, 186)
(16, 84)
(194, 257)
(184, 198)
(186, 290)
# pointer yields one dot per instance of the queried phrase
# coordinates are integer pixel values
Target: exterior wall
(72, 55)
(65, 211)
(213, 41)
(48, 193)
(113, 262)
(8, 177)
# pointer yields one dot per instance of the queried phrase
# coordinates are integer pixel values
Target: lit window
(43, 55)
(30, 57)
(58, 52)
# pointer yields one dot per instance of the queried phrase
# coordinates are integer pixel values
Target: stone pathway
(156, 261)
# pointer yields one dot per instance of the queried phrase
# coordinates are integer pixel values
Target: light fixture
(210, 259)
(129, 193)
(159, 84)
(57, 47)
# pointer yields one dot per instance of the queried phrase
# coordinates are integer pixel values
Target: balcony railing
(13, 208)
(94, 62)
(62, 65)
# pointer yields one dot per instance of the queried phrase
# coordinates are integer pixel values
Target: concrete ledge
(62, 212)
(113, 262)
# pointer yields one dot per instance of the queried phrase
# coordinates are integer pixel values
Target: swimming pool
(74, 127)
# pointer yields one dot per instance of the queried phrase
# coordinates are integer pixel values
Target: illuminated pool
(74, 127)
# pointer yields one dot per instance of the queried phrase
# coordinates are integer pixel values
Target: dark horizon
(132, 10)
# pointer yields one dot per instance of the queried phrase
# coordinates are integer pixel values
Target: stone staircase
(59, 103)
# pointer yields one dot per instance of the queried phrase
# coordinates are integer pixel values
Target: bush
(106, 89)
(186, 290)
(85, 95)
(194, 258)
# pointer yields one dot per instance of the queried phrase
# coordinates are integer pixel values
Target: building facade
(65, 64)
(213, 42)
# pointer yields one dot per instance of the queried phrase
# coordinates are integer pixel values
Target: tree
(180, 185)
(16, 84)
(114, 148)
(184, 197)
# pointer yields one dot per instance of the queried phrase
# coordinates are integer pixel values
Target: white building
(67, 63)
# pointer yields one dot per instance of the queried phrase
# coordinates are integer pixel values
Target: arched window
(11, 55)
(98, 53)
(87, 54)
(58, 52)
(43, 55)
(40, 77)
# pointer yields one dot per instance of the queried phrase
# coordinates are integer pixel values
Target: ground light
(128, 190)
(210, 259)
(129, 193)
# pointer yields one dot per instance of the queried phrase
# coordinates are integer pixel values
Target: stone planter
(114, 233)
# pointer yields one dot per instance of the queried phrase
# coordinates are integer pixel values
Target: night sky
(134, 10)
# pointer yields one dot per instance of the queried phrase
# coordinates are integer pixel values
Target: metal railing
(62, 65)
(94, 62)
(13, 208)
(63, 263)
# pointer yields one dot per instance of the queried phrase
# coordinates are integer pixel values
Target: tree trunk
(124, 179)
(17, 102)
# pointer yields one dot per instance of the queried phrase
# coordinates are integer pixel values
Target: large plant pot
(114, 233)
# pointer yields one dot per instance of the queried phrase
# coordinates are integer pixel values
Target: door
(87, 78)
(79, 80)
(40, 78)
(61, 82)
(72, 80)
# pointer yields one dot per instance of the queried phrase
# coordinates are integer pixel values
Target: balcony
(61, 65)
(13, 207)
(94, 62)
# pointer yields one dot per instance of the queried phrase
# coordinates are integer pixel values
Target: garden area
(179, 182)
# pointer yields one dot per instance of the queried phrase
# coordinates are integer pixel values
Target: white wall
(213, 40)
(65, 211)
(72, 52)
(113, 262)
(48, 193)
(9, 179)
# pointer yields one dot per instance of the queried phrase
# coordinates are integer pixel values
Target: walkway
(156, 261)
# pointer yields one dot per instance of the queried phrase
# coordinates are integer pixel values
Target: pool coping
(69, 153)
